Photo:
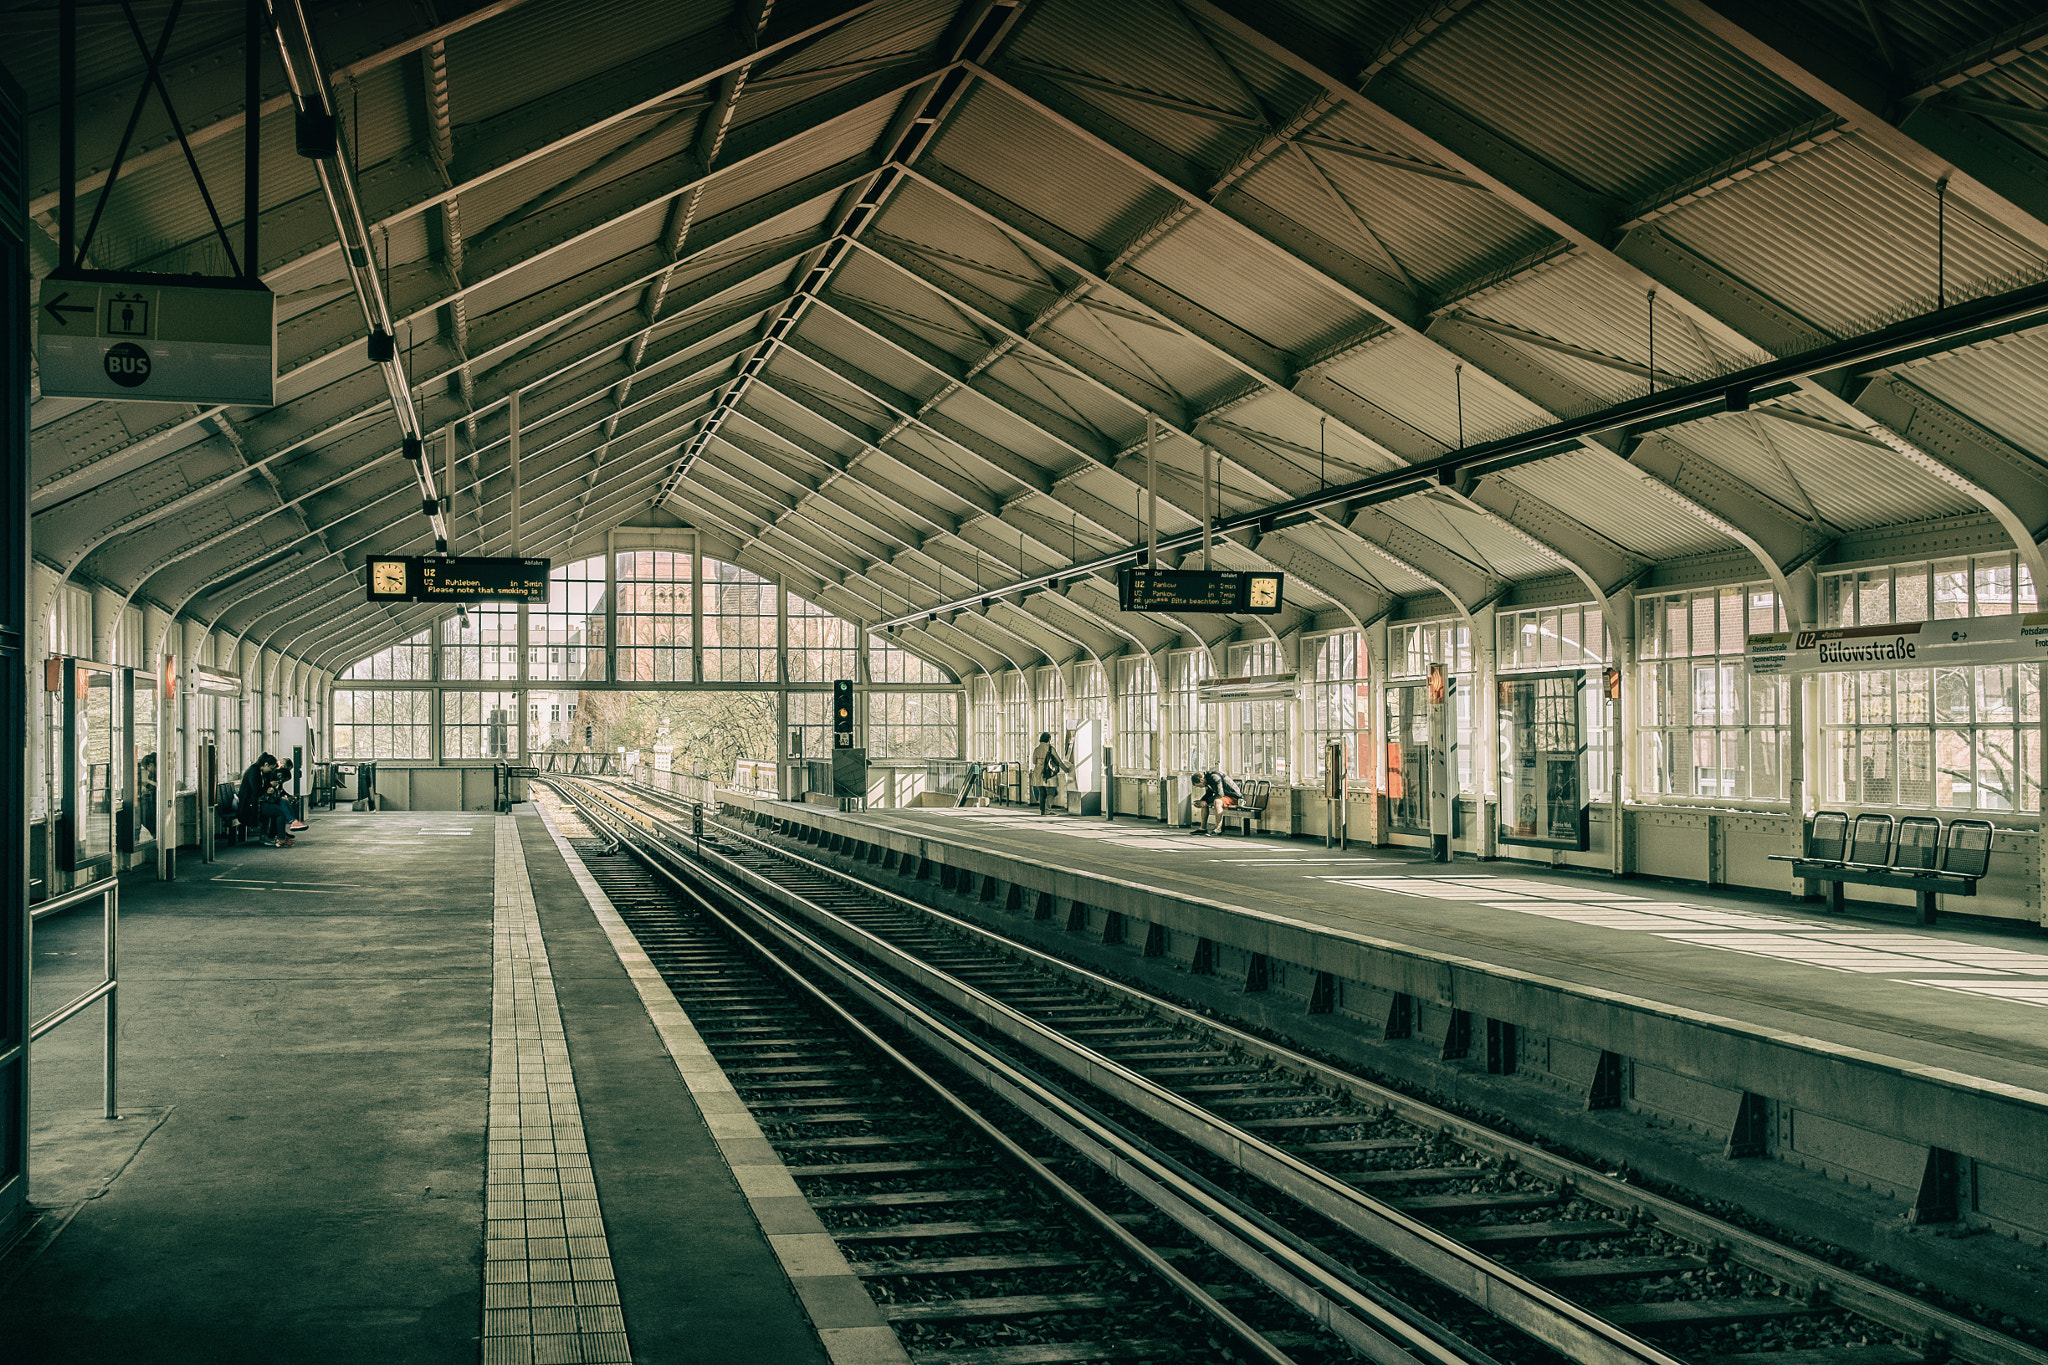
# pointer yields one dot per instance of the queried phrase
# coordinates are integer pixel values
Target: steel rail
(1964, 1339)
(1558, 1322)
(870, 989)
(1313, 1282)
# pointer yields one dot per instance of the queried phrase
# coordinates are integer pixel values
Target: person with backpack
(1213, 791)
(1046, 767)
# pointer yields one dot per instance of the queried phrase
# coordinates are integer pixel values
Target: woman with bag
(1046, 767)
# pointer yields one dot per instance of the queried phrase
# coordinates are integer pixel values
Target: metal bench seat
(1916, 853)
(1250, 809)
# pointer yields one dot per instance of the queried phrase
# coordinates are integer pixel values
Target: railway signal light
(842, 713)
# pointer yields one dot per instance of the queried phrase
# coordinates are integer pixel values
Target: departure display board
(433, 578)
(1258, 594)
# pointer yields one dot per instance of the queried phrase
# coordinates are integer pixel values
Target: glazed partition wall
(676, 664)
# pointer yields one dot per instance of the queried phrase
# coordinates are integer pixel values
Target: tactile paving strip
(549, 1294)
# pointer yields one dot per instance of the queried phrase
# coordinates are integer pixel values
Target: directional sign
(122, 337)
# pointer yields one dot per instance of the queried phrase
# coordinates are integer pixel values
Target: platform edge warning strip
(549, 1290)
(849, 1326)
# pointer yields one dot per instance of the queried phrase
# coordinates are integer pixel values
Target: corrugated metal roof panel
(1474, 536)
(1852, 485)
(1009, 431)
(1919, 32)
(1619, 502)
(1011, 149)
(1152, 37)
(867, 282)
(1439, 234)
(910, 378)
(962, 243)
(1029, 372)
(814, 382)
(535, 49)
(1356, 557)
(1997, 385)
(1688, 102)
(1576, 300)
(1114, 326)
(905, 26)
(1413, 380)
(786, 412)
(501, 196)
(1250, 284)
(1301, 435)
(1210, 142)
(637, 233)
(1840, 237)
(818, 148)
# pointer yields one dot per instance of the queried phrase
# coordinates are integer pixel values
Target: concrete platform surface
(307, 1048)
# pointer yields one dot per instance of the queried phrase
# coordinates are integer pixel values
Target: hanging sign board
(117, 338)
(1226, 592)
(1921, 644)
(431, 578)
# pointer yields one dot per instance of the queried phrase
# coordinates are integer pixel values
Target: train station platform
(398, 1093)
(1907, 1061)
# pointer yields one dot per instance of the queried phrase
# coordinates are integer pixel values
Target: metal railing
(108, 892)
(684, 785)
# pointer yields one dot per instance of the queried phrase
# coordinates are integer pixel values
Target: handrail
(108, 892)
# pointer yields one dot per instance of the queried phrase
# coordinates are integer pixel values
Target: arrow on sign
(57, 308)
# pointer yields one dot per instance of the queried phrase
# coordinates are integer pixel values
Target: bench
(1914, 854)
(1250, 808)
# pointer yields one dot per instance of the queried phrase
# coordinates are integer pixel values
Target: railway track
(1496, 1245)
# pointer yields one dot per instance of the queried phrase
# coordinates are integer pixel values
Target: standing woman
(1046, 767)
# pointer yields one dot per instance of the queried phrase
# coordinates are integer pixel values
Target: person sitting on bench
(1213, 791)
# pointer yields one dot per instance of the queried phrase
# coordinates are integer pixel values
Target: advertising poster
(1542, 758)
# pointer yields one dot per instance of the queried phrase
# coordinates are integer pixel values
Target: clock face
(1265, 592)
(388, 576)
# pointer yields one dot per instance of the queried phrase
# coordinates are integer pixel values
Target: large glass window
(1412, 646)
(373, 723)
(984, 742)
(811, 713)
(1706, 728)
(408, 661)
(888, 663)
(1964, 738)
(1261, 724)
(913, 725)
(1089, 699)
(739, 625)
(1137, 714)
(1535, 638)
(1049, 707)
(1543, 639)
(653, 617)
(1015, 746)
(1340, 704)
(565, 638)
(1192, 743)
(484, 643)
(822, 646)
(481, 725)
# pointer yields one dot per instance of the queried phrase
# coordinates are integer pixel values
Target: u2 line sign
(1968, 641)
(129, 338)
